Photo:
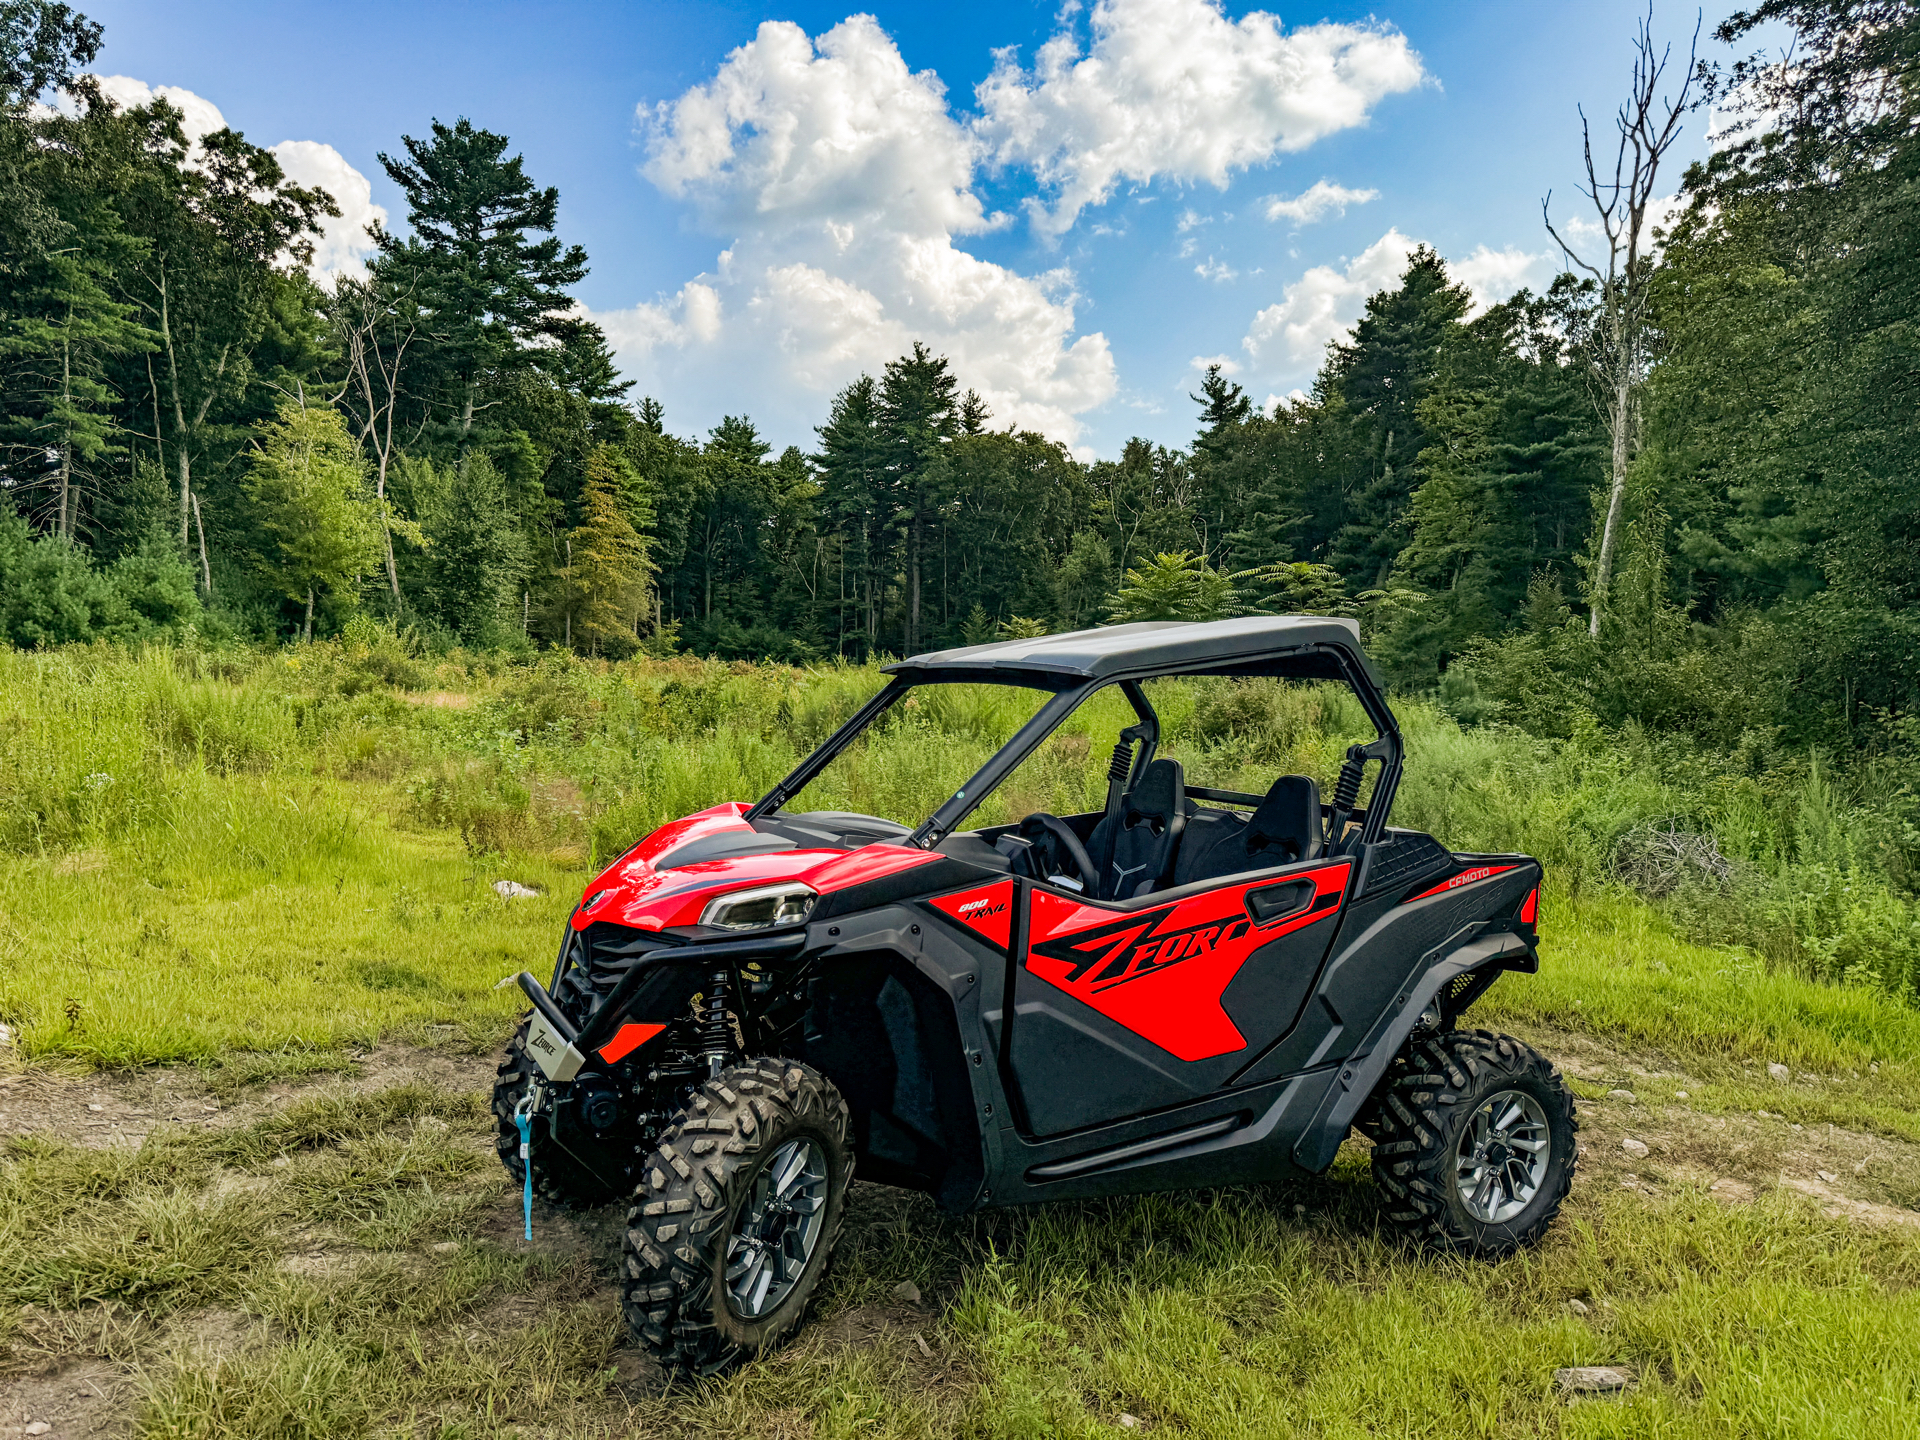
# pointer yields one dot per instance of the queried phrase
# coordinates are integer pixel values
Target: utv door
(1120, 1008)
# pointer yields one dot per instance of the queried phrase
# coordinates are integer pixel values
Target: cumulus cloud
(198, 116)
(1174, 89)
(1319, 200)
(842, 180)
(342, 245)
(1491, 276)
(1291, 335)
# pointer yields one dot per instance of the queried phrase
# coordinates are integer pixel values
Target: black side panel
(944, 874)
(1402, 861)
(885, 1033)
(1265, 996)
(1381, 947)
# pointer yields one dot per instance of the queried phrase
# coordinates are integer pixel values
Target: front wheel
(737, 1215)
(1473, 1142)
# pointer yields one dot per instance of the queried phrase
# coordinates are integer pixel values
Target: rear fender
(1475, 947)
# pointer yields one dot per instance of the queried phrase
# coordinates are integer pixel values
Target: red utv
(1185, 987)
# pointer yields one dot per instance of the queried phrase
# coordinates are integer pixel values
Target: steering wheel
(1054, 841)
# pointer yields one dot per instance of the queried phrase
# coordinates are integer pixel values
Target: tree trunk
(66, 444)
(386, 535)
(180, 446)
(306, 630)
(206, 573)
(1617, 497)
(913, 581)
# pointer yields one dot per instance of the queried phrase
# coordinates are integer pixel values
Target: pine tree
(608, 564)
(495, 299)
(1397, 348)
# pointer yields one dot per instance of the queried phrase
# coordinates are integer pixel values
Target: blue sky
(777, 197)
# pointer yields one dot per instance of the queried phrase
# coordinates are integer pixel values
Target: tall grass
(230, 769)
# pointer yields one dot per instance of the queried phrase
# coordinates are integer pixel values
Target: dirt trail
(1641, 1134)
(1644, 1134)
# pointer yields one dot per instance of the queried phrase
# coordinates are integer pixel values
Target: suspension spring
(1347, 785)
(716, 1032)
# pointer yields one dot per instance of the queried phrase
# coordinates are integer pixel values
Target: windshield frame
(1068, 696)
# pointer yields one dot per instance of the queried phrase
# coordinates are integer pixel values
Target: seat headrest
(1291, 812)
(1161, 791)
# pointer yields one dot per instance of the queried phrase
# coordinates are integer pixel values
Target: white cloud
(1173, 88)
(198, 116)
(1291, 336)
(1491, 276)
(1320, 199)
(842, 180)
(342, 245)
(1212, 269)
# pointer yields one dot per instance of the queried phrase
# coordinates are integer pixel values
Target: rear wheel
(737, 1215)
(1473, 1142)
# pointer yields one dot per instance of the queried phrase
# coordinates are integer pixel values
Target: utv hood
(668, 879)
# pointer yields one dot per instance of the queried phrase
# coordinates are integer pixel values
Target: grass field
(245, 912)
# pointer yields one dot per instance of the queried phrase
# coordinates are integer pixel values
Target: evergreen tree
(1382, 374)
(494, 298)
(608, 565)
(308, 482)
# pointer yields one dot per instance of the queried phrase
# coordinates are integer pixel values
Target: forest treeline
(195, 433)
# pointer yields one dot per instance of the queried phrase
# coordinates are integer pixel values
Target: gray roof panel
(1145, 645)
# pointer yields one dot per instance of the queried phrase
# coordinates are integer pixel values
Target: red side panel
(1465, 878)
(1531, 906)
(987, 911)
(1160, 973)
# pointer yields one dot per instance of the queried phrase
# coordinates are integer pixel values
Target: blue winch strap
(526, 1124)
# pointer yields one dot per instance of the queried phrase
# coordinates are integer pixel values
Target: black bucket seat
(1285, 827)
(1135, 845)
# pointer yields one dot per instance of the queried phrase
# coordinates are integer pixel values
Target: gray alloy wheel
(1503, 1156)
(778, 1228)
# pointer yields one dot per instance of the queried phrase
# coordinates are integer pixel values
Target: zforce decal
(1161, 973)
(1465, 878)
(987, 911)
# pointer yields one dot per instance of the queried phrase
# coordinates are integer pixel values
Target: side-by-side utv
(1186, 987)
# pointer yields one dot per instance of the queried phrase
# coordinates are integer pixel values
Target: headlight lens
(787, 904)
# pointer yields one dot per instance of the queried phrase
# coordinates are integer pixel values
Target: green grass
(289, 862)
(1248, 1312)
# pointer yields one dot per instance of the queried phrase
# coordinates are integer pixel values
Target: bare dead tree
(375, 326)
(1646, 127)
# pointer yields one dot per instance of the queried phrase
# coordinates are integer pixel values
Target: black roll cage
(1068, 696)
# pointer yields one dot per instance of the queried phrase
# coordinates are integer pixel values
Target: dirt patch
(86, 1398)
(111, 1108)
(1642, 1135)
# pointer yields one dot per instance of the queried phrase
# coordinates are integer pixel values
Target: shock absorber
(716, 1033)
(1347, 791)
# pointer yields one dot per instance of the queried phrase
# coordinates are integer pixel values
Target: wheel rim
(1503, 1156)
(778, 1228)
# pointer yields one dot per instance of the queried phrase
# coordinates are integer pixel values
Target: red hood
(637, 891)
